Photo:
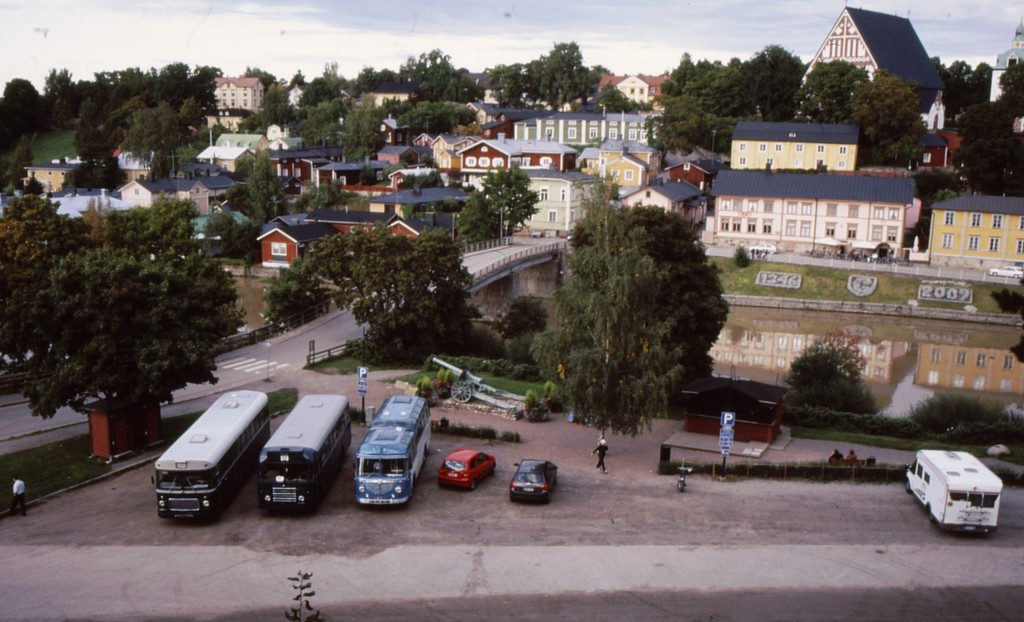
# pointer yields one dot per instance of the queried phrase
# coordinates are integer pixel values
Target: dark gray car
(534, 481)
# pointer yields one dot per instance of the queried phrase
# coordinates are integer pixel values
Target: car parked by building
(1012, 272)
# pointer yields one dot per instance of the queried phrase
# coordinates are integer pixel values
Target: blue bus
(302, 458)
(391, 455)
(200, 473)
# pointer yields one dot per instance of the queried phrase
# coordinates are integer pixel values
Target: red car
(465, 467)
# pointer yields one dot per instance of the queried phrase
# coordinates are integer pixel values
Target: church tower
(1007, 59)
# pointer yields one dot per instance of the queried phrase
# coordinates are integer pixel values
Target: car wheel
(906, 485)
(472, 484)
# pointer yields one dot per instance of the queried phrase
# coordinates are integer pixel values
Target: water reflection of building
(774, 350)
(955, 366)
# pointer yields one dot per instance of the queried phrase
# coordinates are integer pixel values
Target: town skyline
(642, 37)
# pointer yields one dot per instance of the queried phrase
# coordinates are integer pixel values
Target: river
(908, 359)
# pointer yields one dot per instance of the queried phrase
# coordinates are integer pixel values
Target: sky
(625, 36)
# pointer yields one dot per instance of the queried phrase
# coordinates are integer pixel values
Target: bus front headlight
(206, 503)
(398, 489)
(266, 498)
(302, 499)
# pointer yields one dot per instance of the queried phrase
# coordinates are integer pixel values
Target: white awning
(866, 245)
(828, 242)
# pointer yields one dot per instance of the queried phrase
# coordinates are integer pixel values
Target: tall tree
(361, 133)
(511, 85)
(21, 109)
(682, 124)
(411, 293)
(561, 76)
(22, 159)
(61, 97)
(438, 79)
(296, 289)
(95, 141)
(266, 198)
(826, 95)
(500, 208)
(990, 156)
(277, 110)
(611, 99)
(154, 136)
(965, 86)
(773, 77)
(436, 117)
(888, 111)
(33, 239)
(611, 357)
(322, 124)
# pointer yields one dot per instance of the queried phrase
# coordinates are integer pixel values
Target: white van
(956, 489)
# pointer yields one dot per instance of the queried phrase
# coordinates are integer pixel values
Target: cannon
(468, 386)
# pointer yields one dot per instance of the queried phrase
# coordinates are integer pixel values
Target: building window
(851, 232)
(791, 228)
(278, 250)
(592, 133)
(842, 149)
(485, 161)
(498, 162)
(629, 175)
(766, 226)
(470, 161)
(1020, 247)
(571, 133)
(762, 147)
(552, 215)
(832, 210)
(1020, 224)
(613, 133)
(805, 229)
(736, 225)
(841, 165)
(806, 209)
(936, 355)
(878, 213)
(894, 214)
(949, 218)
(891, 234)
(972, 242)
(927, 159)
(752, 226)
(561, 194)
(1008, 360)
(821, 148)
(800, 148)
(791, 207)
(769, 207)
(778, 147)
(545, 162)
(725, 224)
(632, 134)
(947, 240)
(752, 205)
(997, 221)
(543, 193)
(876, 234)
(975, 220)
(854, 211)
(725, 205)
(743, 161)
(743, 147)
(830, 229)
(993, 245)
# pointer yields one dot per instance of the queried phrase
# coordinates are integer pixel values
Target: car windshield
(454, 465)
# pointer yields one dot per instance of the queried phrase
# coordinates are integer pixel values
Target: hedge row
(459, 429)
(820, 471)
(966, 432)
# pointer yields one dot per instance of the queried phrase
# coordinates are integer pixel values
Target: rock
(997, 451)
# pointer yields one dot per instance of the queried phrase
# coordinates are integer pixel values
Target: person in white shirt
(19, 495)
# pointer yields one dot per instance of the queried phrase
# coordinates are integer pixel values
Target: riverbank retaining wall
(874, 308)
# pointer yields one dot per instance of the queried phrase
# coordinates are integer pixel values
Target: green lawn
(48, 145)
(819, 283)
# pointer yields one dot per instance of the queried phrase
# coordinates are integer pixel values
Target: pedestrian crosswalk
(251, 365)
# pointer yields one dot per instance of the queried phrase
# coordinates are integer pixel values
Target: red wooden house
(117, 429)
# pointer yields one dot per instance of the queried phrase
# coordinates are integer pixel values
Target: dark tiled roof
(329, 152)
(674, 190)
(307, 232)
(421, 196)
(931, 139)
(757, 390)
(829, 133)
(896, 48)
(571, 176)
(396, 87)
(813, 186)
(348, 217)
(983, 203)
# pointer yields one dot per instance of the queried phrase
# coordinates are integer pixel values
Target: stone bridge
(522, 268)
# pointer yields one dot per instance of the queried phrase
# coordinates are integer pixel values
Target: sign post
(725, 436)
(362, 373)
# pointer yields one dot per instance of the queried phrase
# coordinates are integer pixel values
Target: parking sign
(728, 419)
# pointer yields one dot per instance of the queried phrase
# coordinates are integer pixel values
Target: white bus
(304, 455)
(199, 474)
(958, 492)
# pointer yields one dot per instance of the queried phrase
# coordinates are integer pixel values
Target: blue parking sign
(728, 419)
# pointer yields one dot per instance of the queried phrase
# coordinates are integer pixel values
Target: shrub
(484, 343)
(823, 418)
(425, 387)
(741, 257)
(942, 413)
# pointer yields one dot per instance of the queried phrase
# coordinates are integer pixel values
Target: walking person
(18, 490)
(601, 450)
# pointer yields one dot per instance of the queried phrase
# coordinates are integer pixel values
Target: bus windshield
(285, 472)
(197, 480)
(391, 467)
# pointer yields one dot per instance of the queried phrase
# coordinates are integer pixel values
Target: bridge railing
(516, 257)
(476, 247)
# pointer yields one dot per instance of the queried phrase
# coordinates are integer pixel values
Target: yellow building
(977, 231)
(245, 93)
(807, 146)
